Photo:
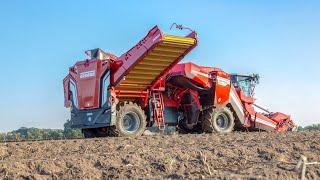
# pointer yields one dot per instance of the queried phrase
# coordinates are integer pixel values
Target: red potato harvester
(146, 89)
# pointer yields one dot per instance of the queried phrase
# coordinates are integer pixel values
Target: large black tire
(218, 120)
(131, 121)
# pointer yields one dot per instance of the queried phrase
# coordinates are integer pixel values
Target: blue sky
(39, 40)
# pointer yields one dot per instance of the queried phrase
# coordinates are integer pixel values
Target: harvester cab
(246, 83)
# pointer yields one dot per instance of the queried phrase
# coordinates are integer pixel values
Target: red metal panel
(87, 76)
(222, 86)
(199, 74)
(135, 54)
(204, 76)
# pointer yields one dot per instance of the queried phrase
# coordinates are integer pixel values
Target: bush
(24, 133)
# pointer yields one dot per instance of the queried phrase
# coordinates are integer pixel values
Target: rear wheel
(131, 120)
(217, 120)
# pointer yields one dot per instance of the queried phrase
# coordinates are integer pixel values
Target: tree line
(23, 134)
(313, 127)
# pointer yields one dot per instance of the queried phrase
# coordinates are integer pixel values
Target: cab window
(105, 88)
(74, 94)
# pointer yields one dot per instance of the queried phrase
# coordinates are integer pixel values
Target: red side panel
(204, 77)
(223, 85)
(244, 98)
(199, 74)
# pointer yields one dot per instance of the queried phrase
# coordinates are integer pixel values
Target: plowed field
(191, 156)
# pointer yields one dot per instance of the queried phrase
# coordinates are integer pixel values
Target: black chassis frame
(91, 118)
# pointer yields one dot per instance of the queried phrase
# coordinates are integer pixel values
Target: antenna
(180, 27)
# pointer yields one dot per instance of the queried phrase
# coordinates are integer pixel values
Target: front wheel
(131, 120)
(217, 120)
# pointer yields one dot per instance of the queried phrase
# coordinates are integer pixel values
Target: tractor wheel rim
(222, 121)
(131, 122)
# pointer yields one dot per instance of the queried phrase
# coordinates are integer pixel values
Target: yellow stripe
(163, 48)
(148, 68)
(175, 44)
(141, 76)
(178, 39)
(164, 54)
(155, 63)
(138, 81)
(158, 58)
(137, 71)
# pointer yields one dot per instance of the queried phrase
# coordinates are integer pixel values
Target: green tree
(55, 133)
(70, 132)
(313, 127)
(300, 128)
(11, 136)
(24, 133)
(17, 136)
(2, 137)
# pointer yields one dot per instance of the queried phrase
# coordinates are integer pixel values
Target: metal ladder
(158, 110)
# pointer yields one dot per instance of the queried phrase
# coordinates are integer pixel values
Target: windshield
(246, 83)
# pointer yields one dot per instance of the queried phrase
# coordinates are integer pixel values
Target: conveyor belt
(158, 59)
